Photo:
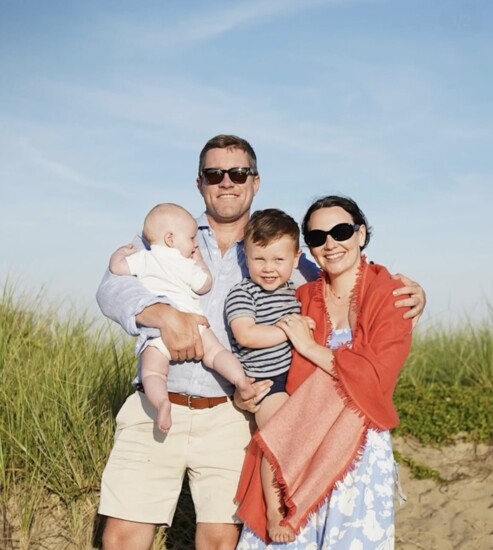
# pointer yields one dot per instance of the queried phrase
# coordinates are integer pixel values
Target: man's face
(227, 201)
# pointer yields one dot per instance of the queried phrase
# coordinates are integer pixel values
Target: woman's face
(336, 257)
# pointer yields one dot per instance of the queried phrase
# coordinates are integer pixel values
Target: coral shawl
(315, 437)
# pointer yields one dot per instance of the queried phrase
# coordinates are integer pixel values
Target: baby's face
(184, 235)
(270, 266)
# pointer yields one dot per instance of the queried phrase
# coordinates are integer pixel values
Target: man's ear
(169, 240)
(198, 182)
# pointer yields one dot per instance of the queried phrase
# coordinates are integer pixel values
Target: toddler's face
(270, 266)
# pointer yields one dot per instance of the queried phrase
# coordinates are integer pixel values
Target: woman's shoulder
(379, 279)
(377, 294)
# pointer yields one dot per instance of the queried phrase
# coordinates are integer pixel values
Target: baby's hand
(126, 250)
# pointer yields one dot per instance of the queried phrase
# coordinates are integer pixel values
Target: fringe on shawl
(318, 296)
(355, 308)
(286, 498)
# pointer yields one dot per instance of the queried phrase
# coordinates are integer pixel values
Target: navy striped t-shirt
(247, 299)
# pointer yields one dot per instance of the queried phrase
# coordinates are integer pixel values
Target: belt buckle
(189, 401)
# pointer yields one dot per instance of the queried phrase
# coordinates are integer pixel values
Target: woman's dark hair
(346, 204)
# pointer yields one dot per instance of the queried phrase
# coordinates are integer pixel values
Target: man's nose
(226, 181)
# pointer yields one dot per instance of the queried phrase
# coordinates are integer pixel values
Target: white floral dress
(359, 514)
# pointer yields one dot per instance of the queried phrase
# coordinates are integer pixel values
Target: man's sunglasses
(214, 176)
(340, 232)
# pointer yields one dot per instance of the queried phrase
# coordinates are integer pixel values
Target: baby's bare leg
(275, 512)
(155, 367)
(217, 357)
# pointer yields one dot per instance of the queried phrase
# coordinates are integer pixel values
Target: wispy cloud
(28, 157)
(213, 21)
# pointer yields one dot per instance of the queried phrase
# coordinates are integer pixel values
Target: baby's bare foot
(163, 419)
(246, 390)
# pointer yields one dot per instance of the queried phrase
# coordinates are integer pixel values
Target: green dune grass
(62, 382)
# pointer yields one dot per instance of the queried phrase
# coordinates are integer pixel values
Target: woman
(329, 445)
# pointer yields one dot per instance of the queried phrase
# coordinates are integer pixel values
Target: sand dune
(454, 516)
(458, 515)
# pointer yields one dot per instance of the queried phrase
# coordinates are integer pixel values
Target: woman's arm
(299, 330)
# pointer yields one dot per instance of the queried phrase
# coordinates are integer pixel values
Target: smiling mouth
(228, 196)
(335, 256)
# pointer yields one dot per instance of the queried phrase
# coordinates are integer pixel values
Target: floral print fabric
(359, 515)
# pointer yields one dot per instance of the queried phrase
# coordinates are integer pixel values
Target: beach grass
(62, 380)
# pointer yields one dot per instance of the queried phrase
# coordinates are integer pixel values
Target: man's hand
(252, 405)
(413, 296)
(179, 331)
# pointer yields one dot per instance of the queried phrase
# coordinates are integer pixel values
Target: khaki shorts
(145, 470)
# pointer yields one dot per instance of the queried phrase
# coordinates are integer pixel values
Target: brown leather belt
(193, 402)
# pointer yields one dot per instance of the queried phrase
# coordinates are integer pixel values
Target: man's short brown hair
(269, 225)
(225, 141)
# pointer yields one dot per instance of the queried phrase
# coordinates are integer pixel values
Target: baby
(173, 267)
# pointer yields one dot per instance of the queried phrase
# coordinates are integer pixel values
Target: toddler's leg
(155, 367)
(217, 357)
(275, 509)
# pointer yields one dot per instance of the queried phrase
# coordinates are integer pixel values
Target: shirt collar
(203, 224)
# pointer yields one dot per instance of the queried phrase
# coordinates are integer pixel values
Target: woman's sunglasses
(340, 232)
(214, 176)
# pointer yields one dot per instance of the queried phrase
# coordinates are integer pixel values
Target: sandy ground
(458, 515)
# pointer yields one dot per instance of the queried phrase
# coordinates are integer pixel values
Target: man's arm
(179, 330)
(125, 301)
(121, 298)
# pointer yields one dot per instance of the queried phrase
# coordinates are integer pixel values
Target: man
(142, 480)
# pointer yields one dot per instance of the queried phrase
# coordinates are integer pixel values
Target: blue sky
(104, 107)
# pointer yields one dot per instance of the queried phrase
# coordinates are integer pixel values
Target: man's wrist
(153, 316)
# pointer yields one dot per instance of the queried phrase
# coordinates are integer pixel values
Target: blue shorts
(279, 384)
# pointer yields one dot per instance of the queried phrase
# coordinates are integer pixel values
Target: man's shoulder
(306, 271)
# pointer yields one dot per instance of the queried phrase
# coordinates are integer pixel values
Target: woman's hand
(299, 330)
(413, 296)
(252, 405)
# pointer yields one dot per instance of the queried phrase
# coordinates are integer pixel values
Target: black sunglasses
(214, 176)
(340, 232)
